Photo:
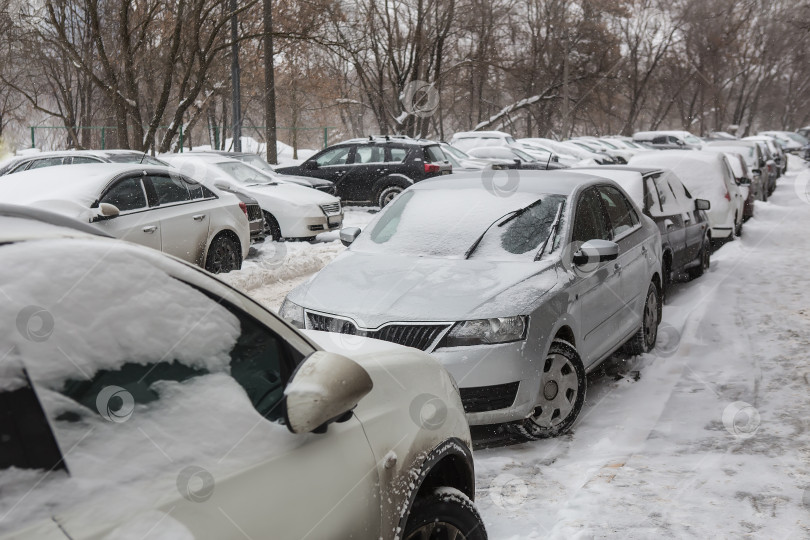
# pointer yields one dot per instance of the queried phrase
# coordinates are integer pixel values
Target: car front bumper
(310, 226)
(498, 383)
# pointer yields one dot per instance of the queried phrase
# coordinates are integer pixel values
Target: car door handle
(198, 217)
(150, 229)
(668, 223)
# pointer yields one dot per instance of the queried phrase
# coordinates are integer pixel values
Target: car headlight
(292, 313)
(486, 331)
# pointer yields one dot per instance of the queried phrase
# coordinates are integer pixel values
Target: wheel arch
(229, 233)
(395, 179)
(449, 464)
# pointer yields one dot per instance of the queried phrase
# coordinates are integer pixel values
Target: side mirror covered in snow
(348, 235)
(325, 388)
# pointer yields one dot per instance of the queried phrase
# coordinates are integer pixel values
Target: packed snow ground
(708, 436)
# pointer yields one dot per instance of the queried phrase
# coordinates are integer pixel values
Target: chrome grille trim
(331, 209)
(419, 335)
(254, 212)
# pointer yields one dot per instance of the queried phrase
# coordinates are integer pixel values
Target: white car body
(783, 138)
(173, 403)
(614, 151)
(183, 229)
(707, 175)
(687, 139)
(301, 212)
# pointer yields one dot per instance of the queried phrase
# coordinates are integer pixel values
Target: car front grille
(418, 336)
(254, 212)
(331, 209)
(488, 398)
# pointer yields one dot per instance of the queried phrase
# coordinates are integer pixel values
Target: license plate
(333, 222)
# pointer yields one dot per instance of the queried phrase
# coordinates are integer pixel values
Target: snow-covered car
(682, 221)
(514, 158)
(620, 155)
(785, 140)
(519, 285)
(290, 211)
(462, 161)
(707, 175)
(743, 178)
(579, 154)
(255, 160)
(668, 139)
(76, 157)
(755, 162)
(150, 205)
(143, 398)
(776, 150)
(467, 140)
(563, 158)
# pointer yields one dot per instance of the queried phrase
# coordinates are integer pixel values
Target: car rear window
(433, 154)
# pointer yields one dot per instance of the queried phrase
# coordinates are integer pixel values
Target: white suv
(142, 398)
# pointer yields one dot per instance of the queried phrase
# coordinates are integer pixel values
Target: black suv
(374, 170)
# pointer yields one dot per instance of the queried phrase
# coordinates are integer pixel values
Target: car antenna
(549, 161)
(370, 138)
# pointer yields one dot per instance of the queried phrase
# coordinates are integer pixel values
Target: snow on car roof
(78, 184)
(630, 181)
(702, 172)
(511, 181)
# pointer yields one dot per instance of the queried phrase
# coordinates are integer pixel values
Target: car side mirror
(224, 186)
(107, 211)
(702, 204)
(310, 165)
(596, 251)
(348, 235)
(756, 171)
(325, 388)
(745, 181)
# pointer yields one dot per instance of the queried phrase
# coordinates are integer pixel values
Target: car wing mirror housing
(325, 388)
(310, 165)
(702, 204)
(596, 251)
(106, 211)
(349, 235)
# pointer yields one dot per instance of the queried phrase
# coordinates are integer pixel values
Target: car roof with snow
(76, 183)
(514, 181)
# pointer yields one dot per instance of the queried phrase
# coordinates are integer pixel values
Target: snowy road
(712, 440)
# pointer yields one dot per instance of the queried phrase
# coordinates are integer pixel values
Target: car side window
(589, 219)
(669, 204)
(335, 156)
(369, 154)
(651, 201)
(659, 140)
(620, 212)
(126, 195)
(170, 189)
(81, 160)
(397, 155)
(47, 162)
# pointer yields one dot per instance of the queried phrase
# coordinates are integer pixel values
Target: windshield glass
(691, 139)
(447, 223)
(455, 151)
(522, 155)
(245, 174)
(257, 162)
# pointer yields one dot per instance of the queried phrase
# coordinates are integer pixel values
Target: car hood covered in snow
(374, 289)
(288, 193)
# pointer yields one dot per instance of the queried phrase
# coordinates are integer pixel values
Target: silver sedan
(518, 283)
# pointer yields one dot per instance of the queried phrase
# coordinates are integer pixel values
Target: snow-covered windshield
(448, 223)
(691, 139)
(245, 174)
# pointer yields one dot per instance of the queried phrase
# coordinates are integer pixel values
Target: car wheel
(447, 513)
(223, 255)
(738, 228)
(562, 394)
(271, 227)
(388, 194)
(644, 340)
(705, 260)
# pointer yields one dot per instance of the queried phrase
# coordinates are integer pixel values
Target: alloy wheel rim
(650, 314)
(224, 259)
(558, 392)
(390, 196)
(437, 530)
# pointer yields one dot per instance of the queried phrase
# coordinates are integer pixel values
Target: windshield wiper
(509, 217)
(551, 231)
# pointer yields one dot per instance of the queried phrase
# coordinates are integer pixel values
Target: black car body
(255, 160)
(374, 170)
(681, 219)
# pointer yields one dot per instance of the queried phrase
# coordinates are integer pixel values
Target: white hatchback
(143, 398)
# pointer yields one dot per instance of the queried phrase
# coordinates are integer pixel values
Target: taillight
(728, 196)
(431, 168)
(243, 206)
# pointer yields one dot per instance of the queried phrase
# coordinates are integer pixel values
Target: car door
(166, 403)
(367, 165)
(596, 286)
(331, 164)
(136, 221)
(673, 223)
(695, 228)
(626, 231)
(184, 214)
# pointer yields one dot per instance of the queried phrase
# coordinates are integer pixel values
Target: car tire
(223, 256)
(738, 229)
(271, 227)
(644, 340)
(445, 513)
(705, 260)
(541, 425)
(388, 194)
